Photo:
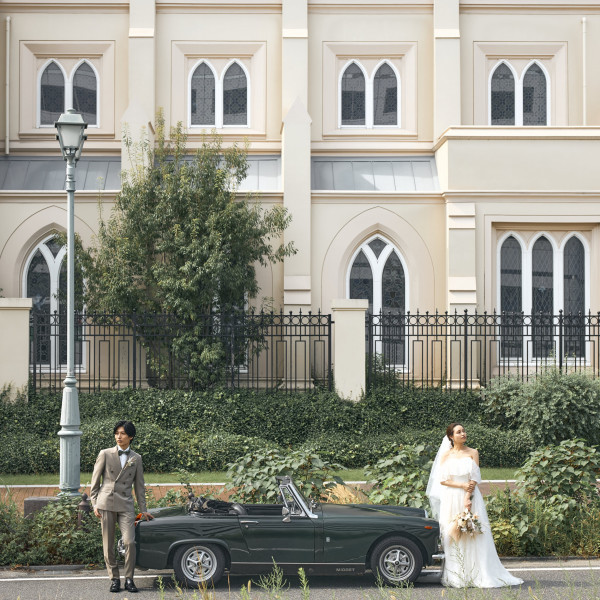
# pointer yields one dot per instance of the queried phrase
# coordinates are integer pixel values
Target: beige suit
(113, 499)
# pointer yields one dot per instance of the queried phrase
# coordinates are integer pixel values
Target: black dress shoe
(115, 585)
(130, 586)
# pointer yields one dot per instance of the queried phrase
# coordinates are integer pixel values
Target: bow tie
(123, 451)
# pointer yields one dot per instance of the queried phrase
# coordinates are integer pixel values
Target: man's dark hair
(128, 426)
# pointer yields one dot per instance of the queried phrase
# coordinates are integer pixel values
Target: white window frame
(369, 96)
(377, 265)
(68, 90)
(519, 93)
(219, 81)
(558, 263)
(54, 266)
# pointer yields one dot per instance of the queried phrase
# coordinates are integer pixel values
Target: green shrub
(562, 476)
(402, 477)
(253, 476)
(553, 407)
(50, 536)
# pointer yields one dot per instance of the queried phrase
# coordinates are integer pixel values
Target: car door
(270, 539)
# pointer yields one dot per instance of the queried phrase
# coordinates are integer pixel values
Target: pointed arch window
(543, 279)
(57, 92)
(219, 101)
(385, 96)
(534, 96)
(377, 274)
(52, 94)
(503, 96)
(85, 93)
(202, 96)
(45, 282)
(353, 96)
(523, 101)
(235, 96)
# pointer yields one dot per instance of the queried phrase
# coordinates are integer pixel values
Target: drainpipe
(584, 67)
(7, 99)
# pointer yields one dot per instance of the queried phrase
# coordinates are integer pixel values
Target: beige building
(433, 154)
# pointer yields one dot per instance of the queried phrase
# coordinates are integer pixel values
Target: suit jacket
(114, 493)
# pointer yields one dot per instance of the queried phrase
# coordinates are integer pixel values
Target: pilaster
(296, 146)
(446, 71)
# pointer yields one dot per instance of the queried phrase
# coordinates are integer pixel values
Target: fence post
(14, 351)
(466, 350)
(349, 347)
(560, 340)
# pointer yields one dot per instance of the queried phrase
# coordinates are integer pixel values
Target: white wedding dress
(470, 561)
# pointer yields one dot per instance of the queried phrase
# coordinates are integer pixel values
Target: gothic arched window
(52, 94)
(85, 93)
(235, 96)
(377, 275)
(502, 96)
(534, 96)
(385, 96)
(353, 96)
(202, 96)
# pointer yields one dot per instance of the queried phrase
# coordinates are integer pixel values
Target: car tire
(198, 565)
(396, 560)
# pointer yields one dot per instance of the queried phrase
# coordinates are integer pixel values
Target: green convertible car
(206, 538)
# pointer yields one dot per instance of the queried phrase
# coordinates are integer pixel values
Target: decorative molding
(374, 197)
(70, 6)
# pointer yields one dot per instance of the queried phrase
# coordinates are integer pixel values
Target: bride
(470, 560)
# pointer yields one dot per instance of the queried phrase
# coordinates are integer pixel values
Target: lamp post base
(70, 441)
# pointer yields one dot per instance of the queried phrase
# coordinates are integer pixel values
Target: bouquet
(465, 522)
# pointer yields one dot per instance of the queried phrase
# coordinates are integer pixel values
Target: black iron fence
(248, 350)
(464, 350)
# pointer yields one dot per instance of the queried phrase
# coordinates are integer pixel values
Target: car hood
(366, 510)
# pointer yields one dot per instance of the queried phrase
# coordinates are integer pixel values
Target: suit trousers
(126, 521)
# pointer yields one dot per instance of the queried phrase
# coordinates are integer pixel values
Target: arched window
(574, 277)
(534, 96)
(353, 98)
(52, 94)
(542, 295)
(202, 96)
(511, 276)
(85, 93)
(385, 96)
(377, 275)
(235, 96)
(502, 96)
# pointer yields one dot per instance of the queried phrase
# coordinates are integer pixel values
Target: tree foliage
(179, 239)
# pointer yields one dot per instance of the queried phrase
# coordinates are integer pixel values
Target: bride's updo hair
(450, 432)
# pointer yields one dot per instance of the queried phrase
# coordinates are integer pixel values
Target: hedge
(206, 430)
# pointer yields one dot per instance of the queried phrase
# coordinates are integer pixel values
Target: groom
(120, 468)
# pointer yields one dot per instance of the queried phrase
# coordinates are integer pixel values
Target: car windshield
(307, 503)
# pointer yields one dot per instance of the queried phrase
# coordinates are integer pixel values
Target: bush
(555, 406)
(563, 476)
(253, 476)
(50, 536)
(402, 478)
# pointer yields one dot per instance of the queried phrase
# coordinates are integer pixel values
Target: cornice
(522, 196)
(489, 133)
(224, 6)
(69, 6)
(56, 196)
(530, 6)
(365, 7)
(373, 197)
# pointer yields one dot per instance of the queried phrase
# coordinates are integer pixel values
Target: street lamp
(70, 127)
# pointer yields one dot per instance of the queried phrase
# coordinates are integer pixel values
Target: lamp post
(70, 127)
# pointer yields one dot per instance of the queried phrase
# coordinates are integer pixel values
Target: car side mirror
(285, 511)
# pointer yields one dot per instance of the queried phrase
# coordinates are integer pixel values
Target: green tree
(180, 240)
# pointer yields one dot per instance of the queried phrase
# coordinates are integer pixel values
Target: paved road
(544, 580)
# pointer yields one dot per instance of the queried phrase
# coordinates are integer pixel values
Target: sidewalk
(18, 493)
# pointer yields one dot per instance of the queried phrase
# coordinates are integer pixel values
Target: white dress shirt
(123, 457)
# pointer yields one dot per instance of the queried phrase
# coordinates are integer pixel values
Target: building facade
(433, 154)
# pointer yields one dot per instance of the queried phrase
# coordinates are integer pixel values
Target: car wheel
(396, 560)
(197, 565)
